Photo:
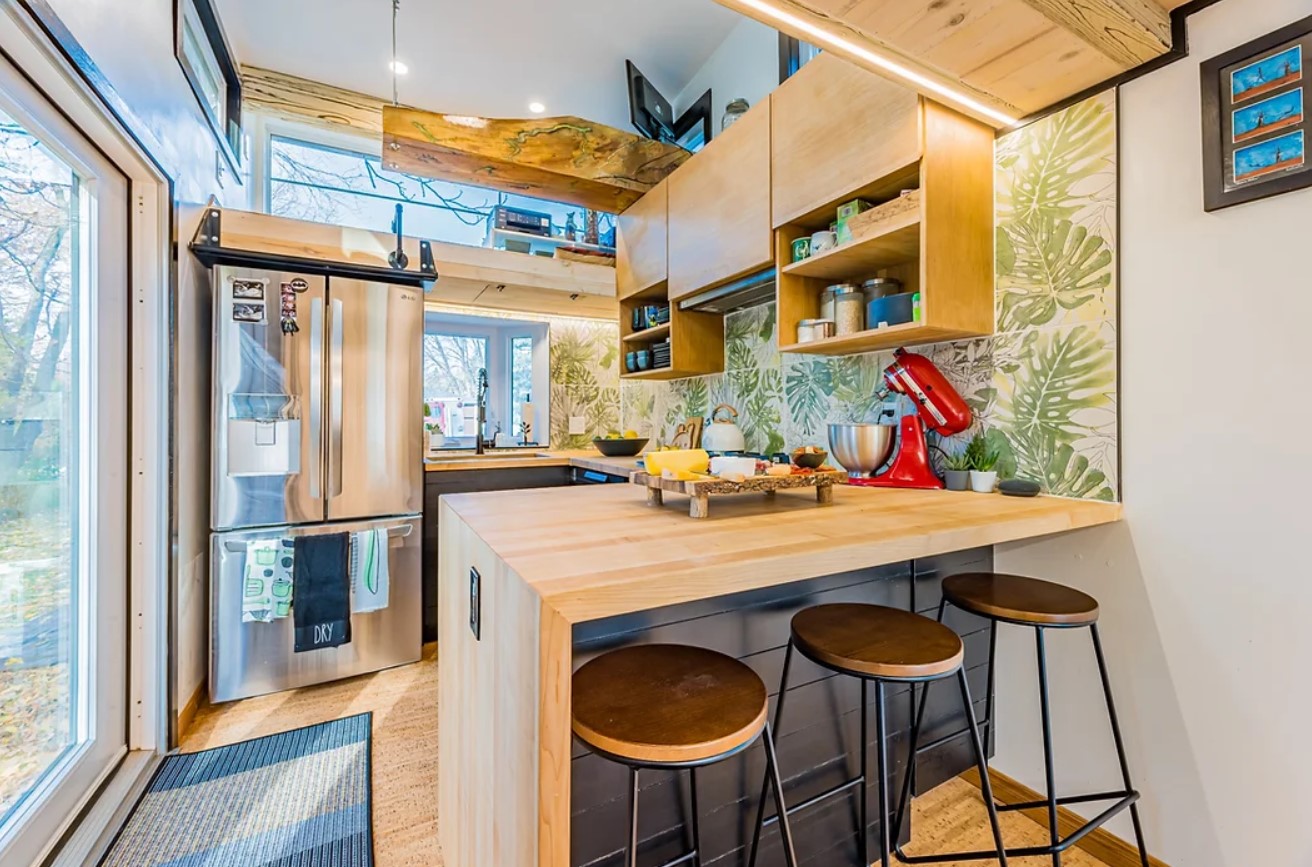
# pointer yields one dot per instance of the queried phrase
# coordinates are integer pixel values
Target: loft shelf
(658, 373)
(861, 258)
(877, 339)
(657, 333)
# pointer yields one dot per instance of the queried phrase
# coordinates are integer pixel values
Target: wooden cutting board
(699, 491)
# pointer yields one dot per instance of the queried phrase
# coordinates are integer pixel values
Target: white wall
(132, 44)
(1206, 587)
(746, 64)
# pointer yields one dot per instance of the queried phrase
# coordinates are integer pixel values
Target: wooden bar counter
(560, 569)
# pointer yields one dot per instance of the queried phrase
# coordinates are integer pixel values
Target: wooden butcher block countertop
(512, 460)
(599, 551)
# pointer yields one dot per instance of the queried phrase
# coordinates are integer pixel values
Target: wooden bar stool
(1043, 605)
(673, 707)
(881, 645)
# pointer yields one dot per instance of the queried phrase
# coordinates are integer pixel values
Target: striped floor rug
(296, 799)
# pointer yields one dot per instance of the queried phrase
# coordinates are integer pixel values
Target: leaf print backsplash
(1043, 388)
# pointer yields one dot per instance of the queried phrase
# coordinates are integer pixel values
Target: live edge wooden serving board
(699, 491)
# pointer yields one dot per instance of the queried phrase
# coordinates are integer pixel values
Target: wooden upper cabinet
(720, 208)
(642, 244)
(838, 130)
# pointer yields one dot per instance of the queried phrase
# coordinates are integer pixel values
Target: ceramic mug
(823, 241)
(801, 249)
(631, 362)
(644, 359)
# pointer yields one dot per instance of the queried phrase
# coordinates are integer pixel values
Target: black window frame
(229, 139)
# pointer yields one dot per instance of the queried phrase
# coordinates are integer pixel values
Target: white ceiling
(485, 57)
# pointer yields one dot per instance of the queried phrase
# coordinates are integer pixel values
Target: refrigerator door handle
(398, 532)
(316, 393)
(335, 408)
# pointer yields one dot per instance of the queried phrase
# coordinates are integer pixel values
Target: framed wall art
(1255, 122)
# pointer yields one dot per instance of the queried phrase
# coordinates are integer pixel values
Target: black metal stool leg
(772, 770)
(989, 728)
(908, 779)
(1049, 773)
(632, 860)
(765, 783)
(1120, 743)
(696, 820)
(982, 761)
(863, 793)
(881, 750)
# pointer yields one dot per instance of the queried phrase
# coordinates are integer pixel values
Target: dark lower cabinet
(440, 483)
(818, 737)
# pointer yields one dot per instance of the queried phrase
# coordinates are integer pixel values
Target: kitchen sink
(527, 454)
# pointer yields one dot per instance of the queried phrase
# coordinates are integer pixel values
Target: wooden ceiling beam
(995, 60)
(564, 159)
(865, 48)
(1128, 32)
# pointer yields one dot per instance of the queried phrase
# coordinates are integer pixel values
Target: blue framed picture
(1255, 123)
(1267, 116)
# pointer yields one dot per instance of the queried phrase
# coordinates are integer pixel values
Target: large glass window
(512, 352)
(324, 184)
(62, 477)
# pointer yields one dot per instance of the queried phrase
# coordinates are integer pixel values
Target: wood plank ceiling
(998, 60)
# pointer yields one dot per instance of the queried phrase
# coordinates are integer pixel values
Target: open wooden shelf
(657, 333)
(861, 258)
(658, 373)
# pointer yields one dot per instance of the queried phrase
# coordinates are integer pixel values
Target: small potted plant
(433, 427)
(983, 465)
(956, 472)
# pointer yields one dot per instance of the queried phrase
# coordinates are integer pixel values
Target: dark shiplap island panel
(819, 736)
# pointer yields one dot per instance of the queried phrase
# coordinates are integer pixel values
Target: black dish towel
(321, 592)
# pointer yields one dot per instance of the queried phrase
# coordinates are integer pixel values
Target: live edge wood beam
(1128, 32)
(565, 159)
(995, 60)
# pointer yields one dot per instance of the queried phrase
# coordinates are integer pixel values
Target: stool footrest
(1061, 802)
(1125, 799)
(816, 799)
(682, 859)
(952, 736)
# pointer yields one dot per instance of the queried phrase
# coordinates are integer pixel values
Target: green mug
(801, 249)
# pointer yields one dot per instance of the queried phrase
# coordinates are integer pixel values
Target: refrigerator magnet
(244, 312)
(287, 295)
(248, 290)
(300, 285)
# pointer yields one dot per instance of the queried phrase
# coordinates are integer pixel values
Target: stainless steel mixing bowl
(862, 448)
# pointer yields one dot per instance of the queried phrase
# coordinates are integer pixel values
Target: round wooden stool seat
(1018, 599)
(876, 641)
(667, 704)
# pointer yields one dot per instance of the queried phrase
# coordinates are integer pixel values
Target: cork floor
(404, 701)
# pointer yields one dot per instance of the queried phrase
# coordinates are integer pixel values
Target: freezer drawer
(249, 659)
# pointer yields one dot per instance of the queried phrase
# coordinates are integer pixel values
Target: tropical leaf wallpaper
(1043, 388)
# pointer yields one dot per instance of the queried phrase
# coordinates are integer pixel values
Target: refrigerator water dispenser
(264, 435)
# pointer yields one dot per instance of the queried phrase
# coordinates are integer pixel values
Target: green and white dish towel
(369, 576)
(267, 586)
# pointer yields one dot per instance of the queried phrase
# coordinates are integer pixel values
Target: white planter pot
(983, 483)
(436, 439)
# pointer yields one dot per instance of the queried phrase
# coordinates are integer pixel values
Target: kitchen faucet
(482, 410)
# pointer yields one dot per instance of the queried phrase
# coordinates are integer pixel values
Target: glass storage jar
(849, 309)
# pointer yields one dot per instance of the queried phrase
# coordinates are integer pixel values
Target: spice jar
(809, 330)
(849, 309)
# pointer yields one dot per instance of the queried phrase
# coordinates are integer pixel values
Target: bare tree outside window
(38, 236)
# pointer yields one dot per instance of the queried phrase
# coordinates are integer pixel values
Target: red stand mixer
(938, 407)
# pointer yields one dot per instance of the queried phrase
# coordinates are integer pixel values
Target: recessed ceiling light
(536, 107)
(398, 67)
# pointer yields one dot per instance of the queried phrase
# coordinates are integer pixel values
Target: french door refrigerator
(317, 392)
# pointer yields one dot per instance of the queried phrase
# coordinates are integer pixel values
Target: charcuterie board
(700, 490)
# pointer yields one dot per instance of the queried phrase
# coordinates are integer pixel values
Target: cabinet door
(642, 246)
(720, 208)
(838, 128)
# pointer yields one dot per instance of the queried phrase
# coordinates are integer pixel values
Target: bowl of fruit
(810, 457)
(620, 445)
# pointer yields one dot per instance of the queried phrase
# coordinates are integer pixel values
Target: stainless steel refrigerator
(317, 430)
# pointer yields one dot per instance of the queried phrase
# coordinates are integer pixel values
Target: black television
(651, 113)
